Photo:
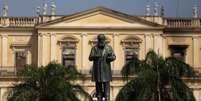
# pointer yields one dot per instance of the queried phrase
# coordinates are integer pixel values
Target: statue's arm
(93, 56)
(111, 55)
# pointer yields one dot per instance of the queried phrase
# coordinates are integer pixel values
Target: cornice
(184, 29)
(17, 28)
(100, 27)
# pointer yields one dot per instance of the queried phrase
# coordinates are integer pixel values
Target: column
(3, 94)
(148, 42)
(164, 47)
(116, 46)
(158, 44)
(41, 49)
(4, 49)
(196, 93)
(53, 43)
(29, 55)
(84, 55)
(45, 60)
(195, 51)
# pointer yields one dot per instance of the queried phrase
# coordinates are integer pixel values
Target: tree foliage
(53, 82)
(156, 79)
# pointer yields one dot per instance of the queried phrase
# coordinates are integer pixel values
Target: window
(131, 47)
(20, 53)
(20, 59)
(178, 51)
(68, 51)
(68, 56)
(131, 53)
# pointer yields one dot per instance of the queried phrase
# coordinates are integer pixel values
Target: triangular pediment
(99, 17)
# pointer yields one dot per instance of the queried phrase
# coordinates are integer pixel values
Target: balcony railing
(18, 21)
(8, 71)
(183, 23)
(12, 72)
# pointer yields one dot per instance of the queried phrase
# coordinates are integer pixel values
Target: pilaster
(84, 50)
(4, 49)
(116, 42)
(3, 94)
(53, 47)
(148, 42)
(164, 46)
(195, 51)
(158, 44)
(42, 47)
(197, 95)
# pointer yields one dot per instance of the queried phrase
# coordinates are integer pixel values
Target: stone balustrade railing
(8, 71)
(12, 71)
(32, 21)
(183, 23)
(18, 21)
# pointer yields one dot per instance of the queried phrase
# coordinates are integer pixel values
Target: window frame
(67, 42)
(181, 47)
(133, 43)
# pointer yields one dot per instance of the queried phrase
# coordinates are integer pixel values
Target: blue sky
(133, 7)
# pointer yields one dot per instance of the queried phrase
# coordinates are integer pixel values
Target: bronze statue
(102, 55)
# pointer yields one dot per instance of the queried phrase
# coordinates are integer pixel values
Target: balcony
(183, 23)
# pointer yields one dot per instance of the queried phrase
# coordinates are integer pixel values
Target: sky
(173, 8)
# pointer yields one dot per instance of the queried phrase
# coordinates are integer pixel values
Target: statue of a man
(102, 55)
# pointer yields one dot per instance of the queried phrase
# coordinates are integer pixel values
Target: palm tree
(53, 82)
(156, 79)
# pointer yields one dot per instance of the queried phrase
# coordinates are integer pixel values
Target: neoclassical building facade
(68, 40)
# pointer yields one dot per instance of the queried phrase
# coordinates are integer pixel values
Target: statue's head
(101, 40)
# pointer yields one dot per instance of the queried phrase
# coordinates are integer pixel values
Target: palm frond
(156, 79)
(179, 68)
(131, 68)
(180, 91)
(49, 83)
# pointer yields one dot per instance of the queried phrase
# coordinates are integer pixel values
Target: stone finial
(156, 9)
(162, 11)
(53, 7)
(44, 8)
(38, 10)
(148, 9)
(195, 11)
(5, 8)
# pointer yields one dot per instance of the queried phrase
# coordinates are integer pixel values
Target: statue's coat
(101, 70)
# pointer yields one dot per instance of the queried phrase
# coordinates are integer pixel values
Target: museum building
(67, 39)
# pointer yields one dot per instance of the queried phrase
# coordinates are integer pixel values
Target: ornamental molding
(4, 35)
(84, 34)
(44, 34)
(94, 41)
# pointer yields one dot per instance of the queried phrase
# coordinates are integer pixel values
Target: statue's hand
(97, 56)
(110, 57)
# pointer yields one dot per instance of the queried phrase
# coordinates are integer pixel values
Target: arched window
(68, 45)
(131, 47)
